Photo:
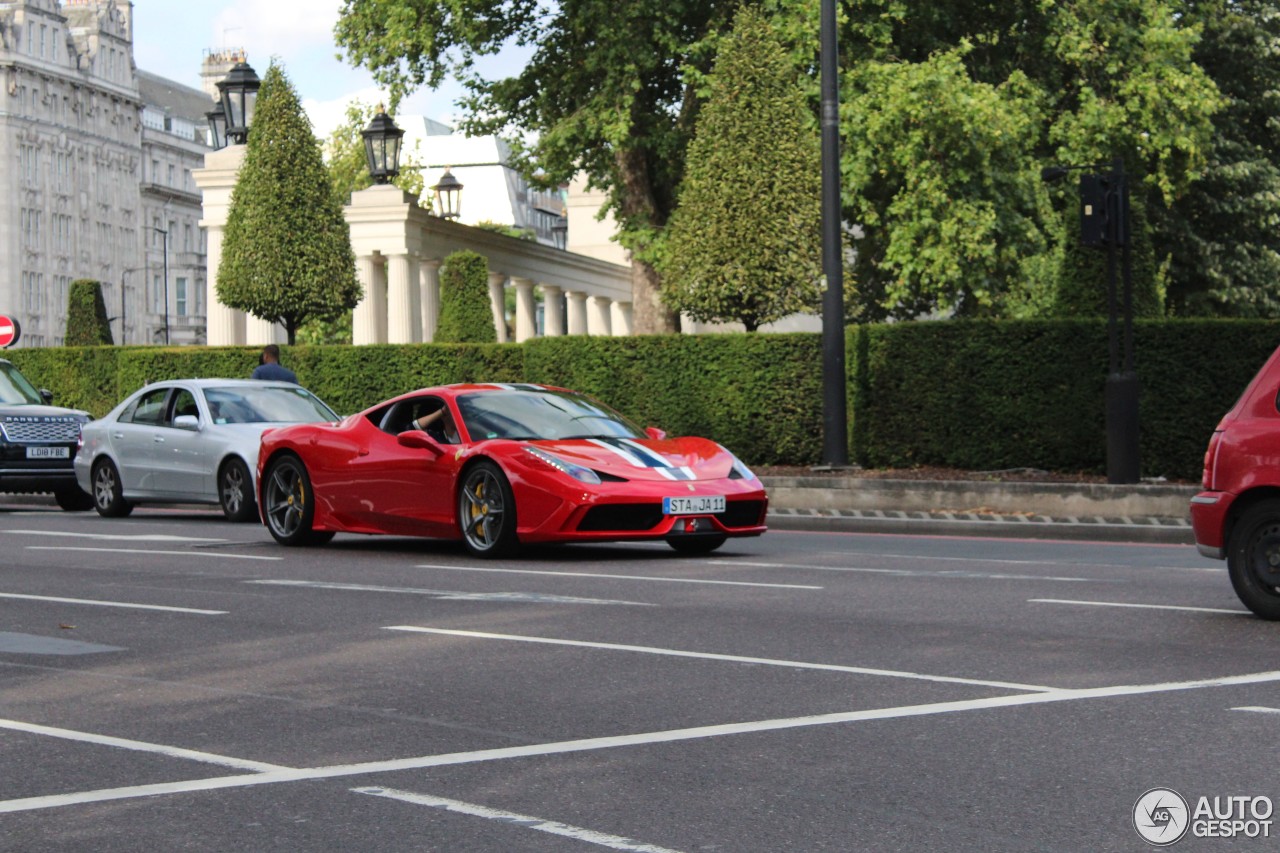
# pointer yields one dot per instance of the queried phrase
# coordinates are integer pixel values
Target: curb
(1143, 513)
(1144, 530)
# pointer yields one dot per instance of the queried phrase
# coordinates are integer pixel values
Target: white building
(492, 190)
(87, 177)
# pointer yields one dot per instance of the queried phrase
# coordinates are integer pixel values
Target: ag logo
(1161, 817)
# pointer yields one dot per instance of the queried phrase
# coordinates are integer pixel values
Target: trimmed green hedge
(982, 395)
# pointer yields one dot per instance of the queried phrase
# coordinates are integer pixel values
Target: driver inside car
(439, 425)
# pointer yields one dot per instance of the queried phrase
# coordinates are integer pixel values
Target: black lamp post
(217, 118)
(1104, 224)
(835, 414)
(165, 234)
(382, 147)
(560, 231)
(239, 91)
(448, 195)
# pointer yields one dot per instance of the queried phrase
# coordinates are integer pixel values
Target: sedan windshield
(14, 387)
(268, 404)
(540, 414)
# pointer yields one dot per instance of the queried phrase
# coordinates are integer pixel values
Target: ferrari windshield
(540, 414)
(269, 404)
(14, 387)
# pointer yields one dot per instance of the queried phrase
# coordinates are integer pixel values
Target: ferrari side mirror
(421, 441)
(655, 433)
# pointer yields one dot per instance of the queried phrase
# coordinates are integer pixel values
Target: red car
(498, 465)
(1237, 516)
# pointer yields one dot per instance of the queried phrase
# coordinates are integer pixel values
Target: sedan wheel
(1253, 559)
(108, 495)
(487, 511)
(235, 492)
(289, 505)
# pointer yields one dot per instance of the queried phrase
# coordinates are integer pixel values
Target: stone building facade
(87, 162)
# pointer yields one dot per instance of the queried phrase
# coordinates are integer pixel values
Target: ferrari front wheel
(487, 511)
(289, 505)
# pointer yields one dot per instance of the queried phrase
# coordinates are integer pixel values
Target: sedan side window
(149, 408)
(183, 403)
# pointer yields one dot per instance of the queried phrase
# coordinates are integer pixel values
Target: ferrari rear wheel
(697, 544)
(235, 492)
(289, 505)
(487, 511)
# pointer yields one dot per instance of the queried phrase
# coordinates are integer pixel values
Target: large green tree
(287, 251)
(951, 110)
(744, 243)
(1222, 236)
(604, 93)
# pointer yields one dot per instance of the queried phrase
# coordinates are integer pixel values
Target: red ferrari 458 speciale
(498, 465)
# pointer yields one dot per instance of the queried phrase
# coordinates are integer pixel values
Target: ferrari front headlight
(577, 472)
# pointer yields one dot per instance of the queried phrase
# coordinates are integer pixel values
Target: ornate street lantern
(382, 147)
(560, 231)
(239, 90)
(217, 126)
(448, 196)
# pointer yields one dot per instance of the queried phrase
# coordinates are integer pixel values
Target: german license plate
(48, 453)
(695, 505)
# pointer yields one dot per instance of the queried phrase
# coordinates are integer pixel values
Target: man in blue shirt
(270, 368)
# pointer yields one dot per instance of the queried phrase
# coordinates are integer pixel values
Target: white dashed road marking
(600, 839)
(790, 664)
(615, 577)
(453, 595)
(1137, 606)
(945, 574)
(217, 554)
(120, 537)
(124, 604)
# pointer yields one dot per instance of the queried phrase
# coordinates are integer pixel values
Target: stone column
(403, 309)
(262, 332)
(526, 310)
(577, 312)
(430, 271)
(598, 315)
(620, 318)
(364, 321)
(552, 311)
(498, 302)
(224, 325)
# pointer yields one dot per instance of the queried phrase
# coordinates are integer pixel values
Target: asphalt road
(173, 682)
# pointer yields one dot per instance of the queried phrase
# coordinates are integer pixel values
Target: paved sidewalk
(1147, 513)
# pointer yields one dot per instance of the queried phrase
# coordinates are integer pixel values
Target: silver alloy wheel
(104, 486)
(285, 498)
(233, 487)
(481, 509)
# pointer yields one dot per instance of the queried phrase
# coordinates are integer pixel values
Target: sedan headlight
(577, 472)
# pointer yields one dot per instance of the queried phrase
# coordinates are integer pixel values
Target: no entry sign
(10, 331)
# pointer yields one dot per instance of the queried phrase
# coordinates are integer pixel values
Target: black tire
(72, 499)
(108, 494)
(697, 544)
(235, 492)
(487, 511)
(288, 505)
(1253, 558)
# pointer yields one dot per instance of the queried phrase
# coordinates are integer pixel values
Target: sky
(170, 38)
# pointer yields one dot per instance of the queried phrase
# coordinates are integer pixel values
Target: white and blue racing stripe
(642, 457)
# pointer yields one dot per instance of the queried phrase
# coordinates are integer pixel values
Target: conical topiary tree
(87, 323)
(466, 315)
(741, 246)
(287, 250)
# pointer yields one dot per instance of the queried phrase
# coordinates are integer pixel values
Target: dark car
(38, 441)
(1237, 515)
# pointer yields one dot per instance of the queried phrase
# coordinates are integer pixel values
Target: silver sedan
(188, 441)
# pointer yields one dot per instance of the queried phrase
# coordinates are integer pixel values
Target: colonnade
(400, 251)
